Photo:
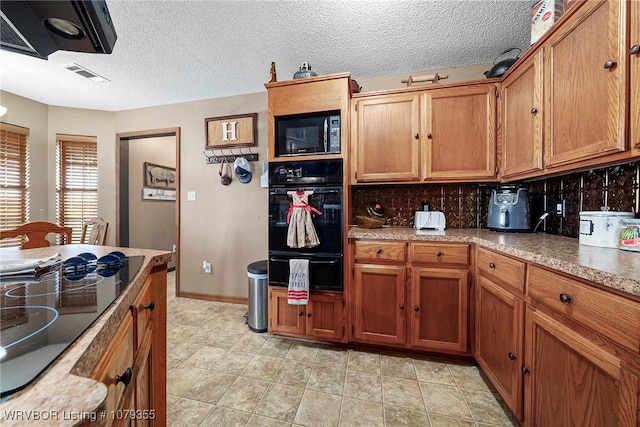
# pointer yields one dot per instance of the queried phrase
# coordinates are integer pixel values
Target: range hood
(39, 28)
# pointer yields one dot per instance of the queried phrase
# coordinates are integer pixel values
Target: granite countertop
(62, 395)
(610, 267)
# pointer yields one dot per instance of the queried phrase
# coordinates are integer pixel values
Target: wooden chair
(97, 234)
(36, 233)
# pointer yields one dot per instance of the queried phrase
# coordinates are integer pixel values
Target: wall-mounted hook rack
(229, 158)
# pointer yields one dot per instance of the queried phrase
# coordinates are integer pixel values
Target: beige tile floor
(219, 373)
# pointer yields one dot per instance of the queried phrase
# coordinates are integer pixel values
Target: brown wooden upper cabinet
(634, 62)
(521, 97)
(585, 68)
(443, 134)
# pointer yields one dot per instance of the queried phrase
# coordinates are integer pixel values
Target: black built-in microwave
(317, 133)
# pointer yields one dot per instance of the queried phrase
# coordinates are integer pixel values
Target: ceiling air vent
(81, 71)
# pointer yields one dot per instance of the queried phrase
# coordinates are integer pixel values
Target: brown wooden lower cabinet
(322, 318)
(572, 381)
(439, 309)
(499, 339)
(134, 365)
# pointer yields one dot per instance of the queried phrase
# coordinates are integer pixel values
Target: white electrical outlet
(191, 196)
(206, 266)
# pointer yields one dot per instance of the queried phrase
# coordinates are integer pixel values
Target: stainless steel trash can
(258, 282)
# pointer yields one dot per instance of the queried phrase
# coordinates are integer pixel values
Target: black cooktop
(44, 311)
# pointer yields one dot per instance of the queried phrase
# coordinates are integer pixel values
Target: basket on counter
(366, 222)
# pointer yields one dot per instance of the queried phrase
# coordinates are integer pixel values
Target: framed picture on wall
(158, 176)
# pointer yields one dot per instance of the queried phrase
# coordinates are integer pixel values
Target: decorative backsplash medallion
(466, 205)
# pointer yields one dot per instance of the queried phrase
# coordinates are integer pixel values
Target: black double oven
(324, 179)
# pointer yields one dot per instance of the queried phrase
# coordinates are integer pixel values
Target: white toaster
(431, 219)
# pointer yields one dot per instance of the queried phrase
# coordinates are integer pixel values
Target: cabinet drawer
(381, 251)
(501, 269)
(613, 316)
(117, 364)
(144, 307)
(442, 254)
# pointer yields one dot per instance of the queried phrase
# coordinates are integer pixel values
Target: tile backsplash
(466, 205)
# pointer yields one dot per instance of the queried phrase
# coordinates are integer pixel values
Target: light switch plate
(191, 196)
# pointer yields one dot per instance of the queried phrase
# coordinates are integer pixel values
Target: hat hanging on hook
(242, 169)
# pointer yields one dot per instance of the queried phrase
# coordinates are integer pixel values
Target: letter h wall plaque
(231, 131)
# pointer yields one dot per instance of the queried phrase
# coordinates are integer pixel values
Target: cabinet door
(499, 342)
(283, 317)
(439, 307)
(460, 132)
(144, 383)
(521, 97)
(635, 76)
(585, 85)
(324, 317)
(571, 381)
(388, 138)
(379, 304)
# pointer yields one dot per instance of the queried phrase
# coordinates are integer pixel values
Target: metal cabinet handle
(417, 136)
(300, 314)
(429, 135)
(565, 298)
(634, 49)
(379, 251)
(524, 370)
(401, 306)
(438, 253)
(308, 314)
(151, 306)
(416, 309)
(512, 356)
(534, 110)
(125, 378)
(492, 265)
(610, 64)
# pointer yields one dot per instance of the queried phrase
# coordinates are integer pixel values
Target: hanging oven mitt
(225, 177)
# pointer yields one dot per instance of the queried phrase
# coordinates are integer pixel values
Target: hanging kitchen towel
(301, 232)
(298, 292)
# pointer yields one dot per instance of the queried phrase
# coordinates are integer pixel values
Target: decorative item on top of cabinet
(521, 101)
(584, 112)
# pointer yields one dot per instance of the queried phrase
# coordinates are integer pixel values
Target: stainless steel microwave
(308, 134)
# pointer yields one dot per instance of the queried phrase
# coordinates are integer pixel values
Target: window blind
(77, 181)
(14, 180)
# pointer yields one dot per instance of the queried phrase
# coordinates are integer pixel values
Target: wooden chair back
(97, 228)
(36, 233)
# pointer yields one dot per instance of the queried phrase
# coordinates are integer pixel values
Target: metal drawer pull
(610, 64)
(125, 378)
(416, 309)
(565, 298)
(300, 314)
(438, 253)
(151, 306)
(492, 265)
(534, 110)
(417, 136)
(524, 370)
(378, 251)
(634, 49)
(401, 306)
(308, 314)
(512, 356)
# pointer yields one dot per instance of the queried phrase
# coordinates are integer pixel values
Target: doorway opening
(148, 191)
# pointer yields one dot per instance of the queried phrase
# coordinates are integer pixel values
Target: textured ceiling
(177, 51)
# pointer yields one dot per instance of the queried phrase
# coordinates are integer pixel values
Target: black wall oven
(324, 180)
